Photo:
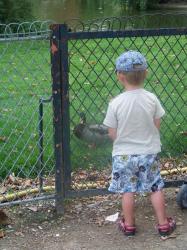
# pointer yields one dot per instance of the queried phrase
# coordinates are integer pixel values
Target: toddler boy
(133, 121)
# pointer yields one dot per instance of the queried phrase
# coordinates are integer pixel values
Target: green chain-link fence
(90, 82)
(25, 168)
(27, 161)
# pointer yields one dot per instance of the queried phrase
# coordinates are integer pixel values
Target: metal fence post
(40, 143)
(65, 105)
(42, 101)
(57, 120)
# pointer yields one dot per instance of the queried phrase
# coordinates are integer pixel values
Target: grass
(93, 83)
(25, 77)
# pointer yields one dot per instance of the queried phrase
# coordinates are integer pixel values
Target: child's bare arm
(157, 123)
(112, 132)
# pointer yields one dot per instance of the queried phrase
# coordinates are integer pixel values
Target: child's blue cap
(131, 61)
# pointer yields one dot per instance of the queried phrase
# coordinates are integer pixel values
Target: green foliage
(15, 11)
(141, 4)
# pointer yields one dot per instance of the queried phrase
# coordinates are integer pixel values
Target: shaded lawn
(25, 77)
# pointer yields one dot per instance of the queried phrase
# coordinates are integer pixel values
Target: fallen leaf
(19, 234)
(92, 62)
(82, 175)
(3, 189)
(27, 183)
(2, 138)
(11, 178)
(34, 209)
(179, 223)
(78, 206)
(93, 205)
(5, 110)
(99, 222)
(2, 234)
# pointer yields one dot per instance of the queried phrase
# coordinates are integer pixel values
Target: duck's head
(78, 129)
(82, 118)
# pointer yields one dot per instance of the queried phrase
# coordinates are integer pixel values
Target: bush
(15, 11)
(142, 4)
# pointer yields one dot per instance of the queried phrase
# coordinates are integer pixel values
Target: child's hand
(112, 132)
(157, 123)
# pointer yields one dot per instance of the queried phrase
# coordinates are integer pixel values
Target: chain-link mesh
(93, 83)
(26, 166)
(26, 153)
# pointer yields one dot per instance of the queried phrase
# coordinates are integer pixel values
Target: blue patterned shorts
(135, 173)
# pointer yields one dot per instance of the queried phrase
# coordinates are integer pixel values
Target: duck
(95, 134)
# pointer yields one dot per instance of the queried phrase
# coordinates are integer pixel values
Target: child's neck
(132, 87)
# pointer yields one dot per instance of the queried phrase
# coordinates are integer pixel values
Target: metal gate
(84, 82)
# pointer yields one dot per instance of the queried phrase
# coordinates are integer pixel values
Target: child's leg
(158, 202)
(128, 208)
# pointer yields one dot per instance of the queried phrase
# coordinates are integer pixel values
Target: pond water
(60, 10)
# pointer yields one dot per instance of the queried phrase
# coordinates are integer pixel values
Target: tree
(15, 11)
(141, 4)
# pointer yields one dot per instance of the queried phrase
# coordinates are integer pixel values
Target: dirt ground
(84, 227)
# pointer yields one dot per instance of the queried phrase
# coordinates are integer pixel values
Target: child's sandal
(127, 230)
(168, 228)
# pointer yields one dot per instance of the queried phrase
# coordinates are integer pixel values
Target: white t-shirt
(132, 114)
